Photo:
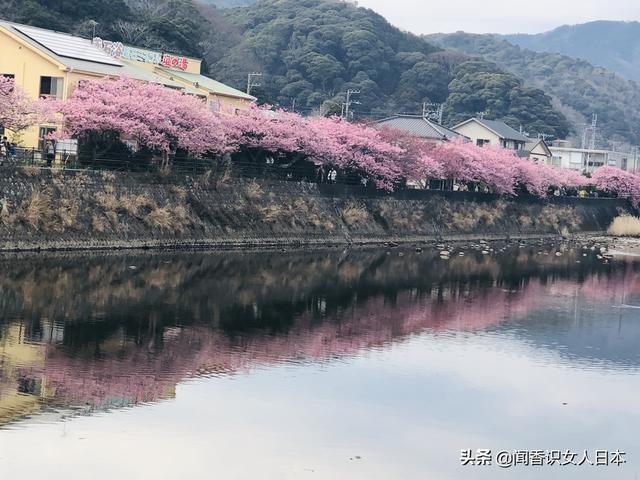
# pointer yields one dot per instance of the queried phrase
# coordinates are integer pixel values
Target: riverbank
(71, 210)
(618, 246)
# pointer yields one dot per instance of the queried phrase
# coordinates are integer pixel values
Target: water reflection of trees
(110, 334)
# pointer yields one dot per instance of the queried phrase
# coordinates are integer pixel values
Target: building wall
(28, 66)
(589, 160)
(475, 131)
(539, 153)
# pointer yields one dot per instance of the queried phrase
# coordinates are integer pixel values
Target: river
(339, 364)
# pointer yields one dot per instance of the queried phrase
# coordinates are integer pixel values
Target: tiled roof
(418, 126)
(500, 128)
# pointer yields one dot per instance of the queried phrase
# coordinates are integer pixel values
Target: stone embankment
(57, 210)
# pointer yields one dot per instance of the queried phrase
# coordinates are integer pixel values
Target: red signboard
(171, 61)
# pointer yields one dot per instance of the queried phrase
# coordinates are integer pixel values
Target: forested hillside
(613, 45)
(170, 25)
(310, 52)
(229, 3)
(579, 88)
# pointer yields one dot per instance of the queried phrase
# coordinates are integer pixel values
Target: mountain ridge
(578, 88)
(611, 44)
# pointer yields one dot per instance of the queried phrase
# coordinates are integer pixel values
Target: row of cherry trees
(167, 121)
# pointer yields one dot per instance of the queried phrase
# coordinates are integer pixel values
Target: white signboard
(119, 50)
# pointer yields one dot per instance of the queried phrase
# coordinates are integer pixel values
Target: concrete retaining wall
(42, 209)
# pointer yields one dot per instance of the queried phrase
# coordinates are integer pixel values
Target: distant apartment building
(586, 160)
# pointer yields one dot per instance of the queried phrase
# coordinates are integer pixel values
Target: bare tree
(131, 32)
(148, 8)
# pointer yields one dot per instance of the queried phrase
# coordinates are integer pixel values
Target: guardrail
(266, 168)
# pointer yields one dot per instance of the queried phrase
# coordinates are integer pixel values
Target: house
(45, 63)
(537, 149)
(419, 126)
(588, 160)
(492, 132)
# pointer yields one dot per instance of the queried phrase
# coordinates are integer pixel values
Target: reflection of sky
(598, 335)
(407, 410)
(403, 379)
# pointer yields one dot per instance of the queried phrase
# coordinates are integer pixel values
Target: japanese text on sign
(541, 458)
(171, 61)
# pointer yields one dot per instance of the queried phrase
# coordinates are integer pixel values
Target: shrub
(171, 219)
(353, 214)
(625, 226)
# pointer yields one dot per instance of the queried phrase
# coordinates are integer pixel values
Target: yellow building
(51, 64)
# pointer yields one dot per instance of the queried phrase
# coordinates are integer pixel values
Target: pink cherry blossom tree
(324, 141)
(18, 111)
(264, 129)
(162, 119)
(466, 162)
(616, 181)
(358, 149)
(417, 163)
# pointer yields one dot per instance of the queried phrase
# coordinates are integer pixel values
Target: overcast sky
(499, 16)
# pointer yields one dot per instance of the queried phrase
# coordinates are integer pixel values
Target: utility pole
(589, 134)
(251, 83)
(349, 102)
(594, 127)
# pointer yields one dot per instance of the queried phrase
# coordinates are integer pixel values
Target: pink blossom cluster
(167, 120)
(324, 141)
(157, 117)
(616, 181)
(18, 111)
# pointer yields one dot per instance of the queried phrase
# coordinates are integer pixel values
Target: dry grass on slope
(625, 226)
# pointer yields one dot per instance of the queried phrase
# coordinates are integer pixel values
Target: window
(556, 161)
(214, 105)
(44, 131)
(8, 75)
(51, 87)
(481, 143)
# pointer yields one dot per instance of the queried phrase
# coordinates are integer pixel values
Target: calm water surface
(336, 365)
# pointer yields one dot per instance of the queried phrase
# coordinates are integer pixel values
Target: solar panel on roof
(67, 46)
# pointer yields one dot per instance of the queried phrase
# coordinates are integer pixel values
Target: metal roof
(80, 54)
(419, 126)
(66, 45)
(207, 83)
(138, 73)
